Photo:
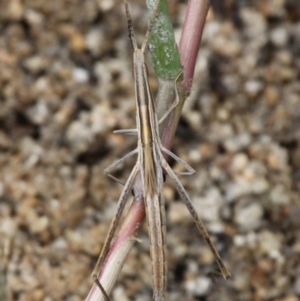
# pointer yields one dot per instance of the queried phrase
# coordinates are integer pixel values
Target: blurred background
(66, 84)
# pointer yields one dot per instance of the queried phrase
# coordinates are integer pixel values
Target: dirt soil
(66, 84)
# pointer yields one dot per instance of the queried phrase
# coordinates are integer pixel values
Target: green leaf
(163, 47)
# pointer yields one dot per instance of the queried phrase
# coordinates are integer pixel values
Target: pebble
(64, 115)
(207, 150)
(209, 205)
(279, 36)
(8, 226)
(253, 87)
(195, 120)
(270, 243)
(95, 41)
(207, 103)
(223, 114)
(271, 95)
(39, 113)
(239, 162)
(15, 10)
(40, 224)
(77, 41)
(195, 155)
(36, 64)
(80, 137)
(241, 280)
(220, 132)
(237, 142)
(243, 187)
(80, 75)
(178, 213)
(273, 8)
(199, 286)
(34, 17)
(60, 244)
(255, 28)
(279, 195)
(277, 158)
(249, 217)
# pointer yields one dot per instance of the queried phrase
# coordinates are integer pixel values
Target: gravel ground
(66, 84)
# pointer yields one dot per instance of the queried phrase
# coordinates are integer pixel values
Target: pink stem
(119, 249)
(189, 47)
(191, 38)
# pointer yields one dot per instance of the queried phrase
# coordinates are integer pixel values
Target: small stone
(107, 5)
(195, 120)
(216, 173)
(95, 41)
(37, 294)
(273, 8)
(223, 114)
(8, 226)
(284, 57)
(40, 224)
(279, 36)
(102, 119)
(239, 240)
(277, 158)
(237, 142)
(80, 136)
(33, 17)
(178, 213)
(15, 9)
(207, 150)
(253, 87)
(199, 286)
(279, 195)
(270, 243)
(64, 115)
(39, 113)
(60, 244)
(248, 240)
(237, 188)
(209, 205)
(271, 95)
(80, 75)
(239, 162)
(28, 147)
(231, 83)
(241, 280)
(206, 256)
(120, 294)
(77, 42)
(255, 125)
(221, 131)
(255, 26)
(36, 64)
(249, 218)
(207, 102)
